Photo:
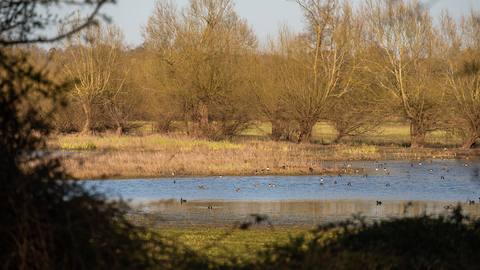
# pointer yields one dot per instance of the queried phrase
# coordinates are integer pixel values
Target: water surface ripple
(297, 200)
(431, 181)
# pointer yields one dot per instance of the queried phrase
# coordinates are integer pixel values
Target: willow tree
(265, 82)
(201, 47)
(406, 66)
(91, 58)
(319, 62)
(354, 114)
(462, 56)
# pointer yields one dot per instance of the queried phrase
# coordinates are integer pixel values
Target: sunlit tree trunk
(88, 119)
(417, 134)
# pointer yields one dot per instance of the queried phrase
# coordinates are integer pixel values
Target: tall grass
(163, 156)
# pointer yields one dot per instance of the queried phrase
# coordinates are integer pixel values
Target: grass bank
(421, 242)
(154, 156)
(232, 246)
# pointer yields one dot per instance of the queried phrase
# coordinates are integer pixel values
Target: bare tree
(354, 114)
(268, 103)
(405, 66)
(202, 47)
(91, 59)
(462, 57)
(320, 61)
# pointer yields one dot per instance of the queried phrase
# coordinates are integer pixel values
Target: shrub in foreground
(424, 242)
(47, 223)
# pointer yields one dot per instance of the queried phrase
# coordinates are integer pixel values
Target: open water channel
(302, 200)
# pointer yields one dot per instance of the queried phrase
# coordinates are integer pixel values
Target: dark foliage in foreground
(423, 242)
(47, 223)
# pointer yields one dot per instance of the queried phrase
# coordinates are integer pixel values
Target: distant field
(389, 134)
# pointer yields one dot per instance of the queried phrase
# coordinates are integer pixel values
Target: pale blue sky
(263, 15)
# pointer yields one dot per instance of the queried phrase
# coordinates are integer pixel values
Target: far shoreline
(164, 157)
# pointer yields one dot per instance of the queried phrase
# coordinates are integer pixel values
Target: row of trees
(202, 70)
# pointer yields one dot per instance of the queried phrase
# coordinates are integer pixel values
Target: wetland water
(301, 200)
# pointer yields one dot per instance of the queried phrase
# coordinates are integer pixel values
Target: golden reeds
(164, 156)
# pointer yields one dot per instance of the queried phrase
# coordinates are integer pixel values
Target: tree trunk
(305, 130)
(185, 119)
(338, 137)
(278, 129)
(88, 122)
(119, 131)
(200, 121)
(417, 134)
(472, 136)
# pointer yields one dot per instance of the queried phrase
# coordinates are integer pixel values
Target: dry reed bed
(161, 156)
(191, 162)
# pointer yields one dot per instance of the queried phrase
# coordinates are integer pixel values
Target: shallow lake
(429, 185)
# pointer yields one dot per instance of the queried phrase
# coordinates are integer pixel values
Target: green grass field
(449, 241)
(224, 245)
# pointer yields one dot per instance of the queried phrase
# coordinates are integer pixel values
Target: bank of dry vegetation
(179, 155)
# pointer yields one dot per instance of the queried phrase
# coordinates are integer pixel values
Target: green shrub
(423, 242)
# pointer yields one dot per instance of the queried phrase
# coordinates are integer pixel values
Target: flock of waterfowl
(378, 167)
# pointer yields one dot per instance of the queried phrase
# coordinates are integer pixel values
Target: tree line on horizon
(202, 70)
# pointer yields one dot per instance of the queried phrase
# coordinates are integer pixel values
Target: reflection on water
(164, 213)
(301, 199)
